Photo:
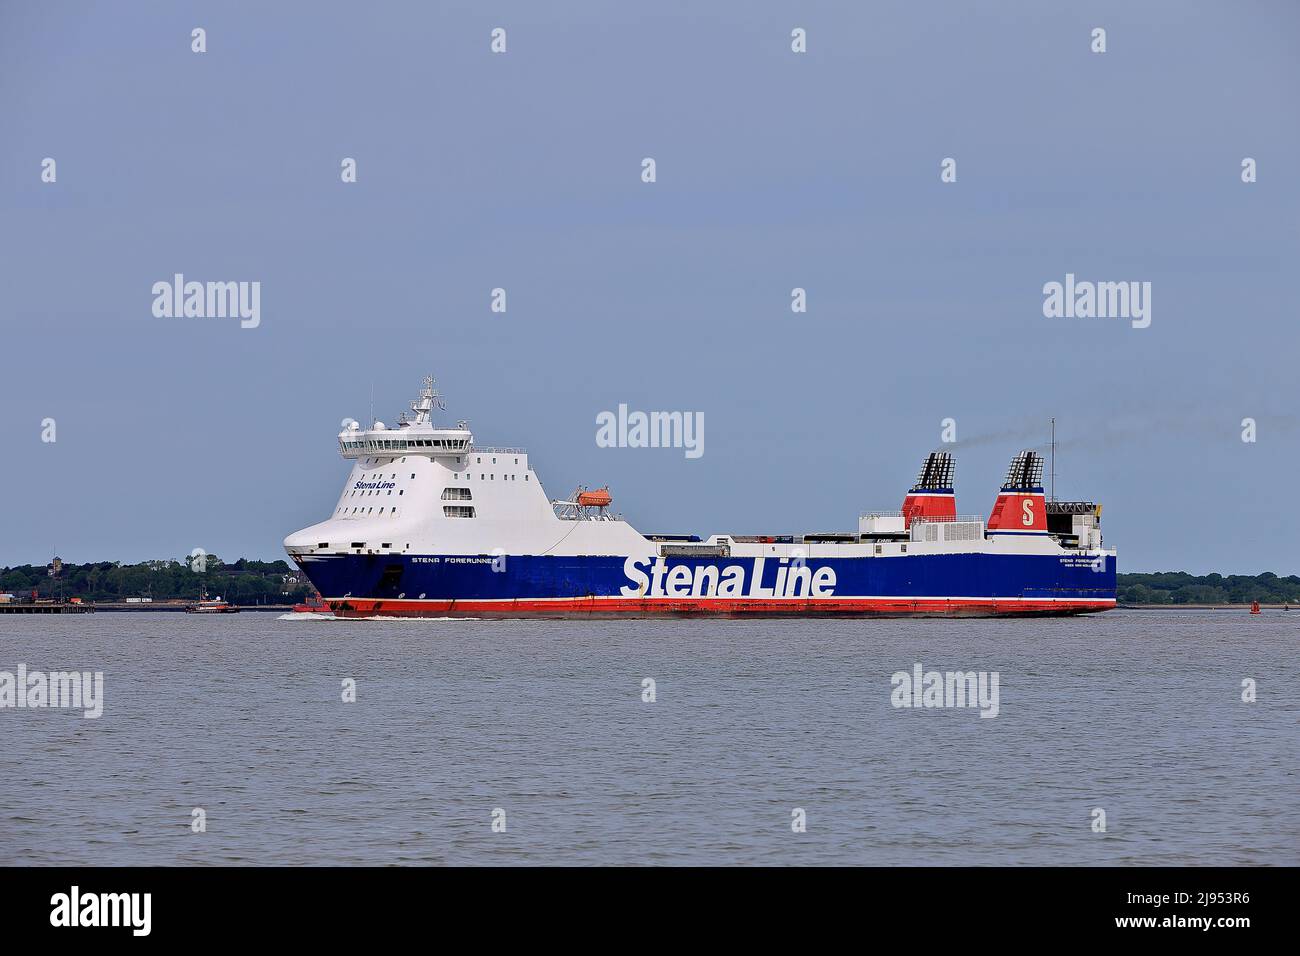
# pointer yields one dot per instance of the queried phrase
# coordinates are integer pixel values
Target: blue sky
(774, 170)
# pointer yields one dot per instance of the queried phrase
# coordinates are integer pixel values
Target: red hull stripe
(706, 606)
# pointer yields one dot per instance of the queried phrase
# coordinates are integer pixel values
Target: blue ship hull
(525, 585)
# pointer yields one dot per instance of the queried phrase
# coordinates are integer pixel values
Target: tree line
(243, 582)
(1179, 587)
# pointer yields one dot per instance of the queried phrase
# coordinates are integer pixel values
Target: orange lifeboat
(600, 498)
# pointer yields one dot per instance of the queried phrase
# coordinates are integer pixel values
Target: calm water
(1136, 712)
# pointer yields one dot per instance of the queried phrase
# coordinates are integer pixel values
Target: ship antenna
(1053, 459)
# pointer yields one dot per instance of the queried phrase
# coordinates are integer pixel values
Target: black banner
(336, 905)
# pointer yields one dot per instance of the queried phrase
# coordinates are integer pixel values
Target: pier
(45, 607)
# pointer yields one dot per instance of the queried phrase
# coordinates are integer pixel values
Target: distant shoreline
(1130, 606)
(112, 607)
(112, 585)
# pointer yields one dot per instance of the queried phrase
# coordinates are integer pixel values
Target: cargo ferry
(430, 524)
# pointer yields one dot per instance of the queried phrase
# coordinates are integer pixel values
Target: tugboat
(314, 604)
(214, 606)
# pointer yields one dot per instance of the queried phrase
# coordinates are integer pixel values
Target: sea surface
(1138, 713)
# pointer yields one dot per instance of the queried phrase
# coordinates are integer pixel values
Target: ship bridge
(416, 435)
(429, 491)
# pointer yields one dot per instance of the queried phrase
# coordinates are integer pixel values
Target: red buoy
(1254, 607)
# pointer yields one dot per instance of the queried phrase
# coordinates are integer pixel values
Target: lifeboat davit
(600, 498)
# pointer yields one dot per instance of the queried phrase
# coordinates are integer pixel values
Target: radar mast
(429, 399)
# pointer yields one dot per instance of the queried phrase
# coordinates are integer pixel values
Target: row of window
(478, 459)
(468, 477)
(324, 545)
(450, 511)
(402, 444)
(448, 494)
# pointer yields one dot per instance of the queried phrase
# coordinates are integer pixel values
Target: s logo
(1027, 506)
